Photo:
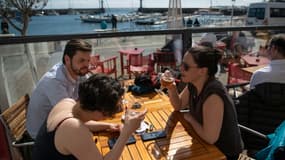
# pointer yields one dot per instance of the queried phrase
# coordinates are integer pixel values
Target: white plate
(144, 126)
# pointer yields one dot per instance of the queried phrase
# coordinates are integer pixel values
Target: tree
(24, 8)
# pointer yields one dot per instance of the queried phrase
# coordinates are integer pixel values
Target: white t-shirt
(274, 72)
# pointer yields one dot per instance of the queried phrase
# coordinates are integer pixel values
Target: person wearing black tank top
(67, 132)
(212, 113)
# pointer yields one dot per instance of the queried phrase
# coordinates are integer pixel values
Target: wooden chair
(94, 60)
(107, 66)
(237, 76)
(139, 64)
(4, 144)
(164, 59)
(14, 121)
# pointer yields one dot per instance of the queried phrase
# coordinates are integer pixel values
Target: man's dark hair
(75, 45)
(206, 57)
(279, 42)
(100, 93)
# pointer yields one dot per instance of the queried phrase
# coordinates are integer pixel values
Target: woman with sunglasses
(67, 132)
(212, 113)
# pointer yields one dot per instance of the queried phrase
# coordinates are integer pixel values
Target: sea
(72, 24)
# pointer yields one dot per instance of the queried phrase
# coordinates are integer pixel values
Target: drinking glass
(166, 79)
(124, 101)
(125, 86)
(130, 112)
(154, 149)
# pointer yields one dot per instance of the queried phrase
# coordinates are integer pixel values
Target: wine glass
(124, 100)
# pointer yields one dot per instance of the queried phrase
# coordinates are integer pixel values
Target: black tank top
(229, 141)
(44, 148)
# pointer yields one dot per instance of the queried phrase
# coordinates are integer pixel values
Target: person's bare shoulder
(71, 136)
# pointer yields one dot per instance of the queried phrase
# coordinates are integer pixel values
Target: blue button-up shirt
(273, 73)
(55, 85)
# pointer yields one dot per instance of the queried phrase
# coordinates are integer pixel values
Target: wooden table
(252, 60)
(181, 141)
(125, 53)
(251, 70)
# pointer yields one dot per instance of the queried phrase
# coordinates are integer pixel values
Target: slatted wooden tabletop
(181, 141)
(251, 70)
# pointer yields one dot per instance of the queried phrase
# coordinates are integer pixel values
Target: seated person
(212, 112)
(274, 72)
(239, 44)
(208, 40)
(262, 51)
(175, 46)
(168, 47)
(67, 131)
(61, 81)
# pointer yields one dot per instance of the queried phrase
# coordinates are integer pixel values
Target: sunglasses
(186, 66)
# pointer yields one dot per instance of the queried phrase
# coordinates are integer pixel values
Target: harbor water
(72, 24)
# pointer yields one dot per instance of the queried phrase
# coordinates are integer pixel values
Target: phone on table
(112, 141)
(153, 135)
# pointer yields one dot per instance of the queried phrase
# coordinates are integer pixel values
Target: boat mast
(101, 6)
(69, 4)
(140, 4)
(175, 18)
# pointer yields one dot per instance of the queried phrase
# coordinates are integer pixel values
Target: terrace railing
(23, 60)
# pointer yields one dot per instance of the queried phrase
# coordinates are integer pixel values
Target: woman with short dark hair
(67, 132)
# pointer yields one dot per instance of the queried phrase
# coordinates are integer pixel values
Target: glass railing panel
(107, 47)
(16, 72)
(24, 64)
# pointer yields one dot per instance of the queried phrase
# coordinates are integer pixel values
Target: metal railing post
(187, 40)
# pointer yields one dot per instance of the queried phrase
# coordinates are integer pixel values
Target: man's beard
(78, 71)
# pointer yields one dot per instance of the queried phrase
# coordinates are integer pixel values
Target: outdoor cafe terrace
(23, 60)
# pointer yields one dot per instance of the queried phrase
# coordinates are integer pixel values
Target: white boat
(95, 18)
(150, 21)
(52, 13)
(107, 18)
(206, 12)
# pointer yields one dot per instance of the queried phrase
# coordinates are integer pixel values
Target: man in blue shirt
(274, 71)
(61, 81)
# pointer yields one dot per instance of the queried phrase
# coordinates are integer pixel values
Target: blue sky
(146, 3)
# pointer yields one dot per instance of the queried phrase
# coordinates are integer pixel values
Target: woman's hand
(171, 87)
(133, 120)
(115, 127)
